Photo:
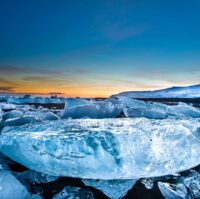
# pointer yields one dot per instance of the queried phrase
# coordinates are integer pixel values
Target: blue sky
(98, 48)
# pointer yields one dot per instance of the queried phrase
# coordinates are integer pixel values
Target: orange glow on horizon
(87, 92)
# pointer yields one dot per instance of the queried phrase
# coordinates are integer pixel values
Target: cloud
(9, 69)
(7, 82)
(116, 32)
(55, 93)
(6, 89)
(80, 71)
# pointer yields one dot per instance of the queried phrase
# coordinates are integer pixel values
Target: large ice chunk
(50, 116)
(173, 191)
(105, 148)
(33, 177)
(7, 107)
(74, 193)
(114, 189)
(144, 112)
(28, 99)
(72, 102)
(10, 187)
(173, 92)
(137, 108)
(192, 182)
(132, 103)
(183, 109)
(12, 114)
(148, 183)
(92, 110)
(20, 121)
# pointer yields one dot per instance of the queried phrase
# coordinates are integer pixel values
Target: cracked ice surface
(105, 148)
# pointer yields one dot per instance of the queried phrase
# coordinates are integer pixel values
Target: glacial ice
(50, 116)
(73, 102)
(34, 100)
(6, 107)
(173, 92)
(183, 109)
(33, 177)
(12, 114)
(142, 112)
(173, 191)
(20, 121)
(148, 183)
(132, 103)
(192, 182)
(91, 110)
(137, 108)
(114, 189)
(36, 196)
(107, 149)
(74, 193)
(11, 188)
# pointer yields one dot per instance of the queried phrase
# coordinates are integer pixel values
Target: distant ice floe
(173, 92)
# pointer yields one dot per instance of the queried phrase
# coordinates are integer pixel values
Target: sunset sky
(95, 48)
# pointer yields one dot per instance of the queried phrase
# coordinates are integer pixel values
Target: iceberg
(36, 196)
(10, 187)
(138, 108)
(19, 121)
(51, 116)
(74, 193)
(33, 177)
(106, 149)
(114, 189)
(182, 110)
(147, 113)
(97, 110)
(7, 107)
(173, 191)
(148, 183)
(127, 102)
(73, 102)
(12, 114)
(27, 99)
(192, 182)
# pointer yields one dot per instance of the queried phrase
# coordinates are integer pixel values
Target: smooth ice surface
(114, 189)
(74, 193)
(105, 148)
(173, 92)
(11, 188)
(173, 191)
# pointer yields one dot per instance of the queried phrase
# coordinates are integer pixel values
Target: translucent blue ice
(105, 149)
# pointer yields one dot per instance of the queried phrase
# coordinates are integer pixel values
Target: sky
(96, 48)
